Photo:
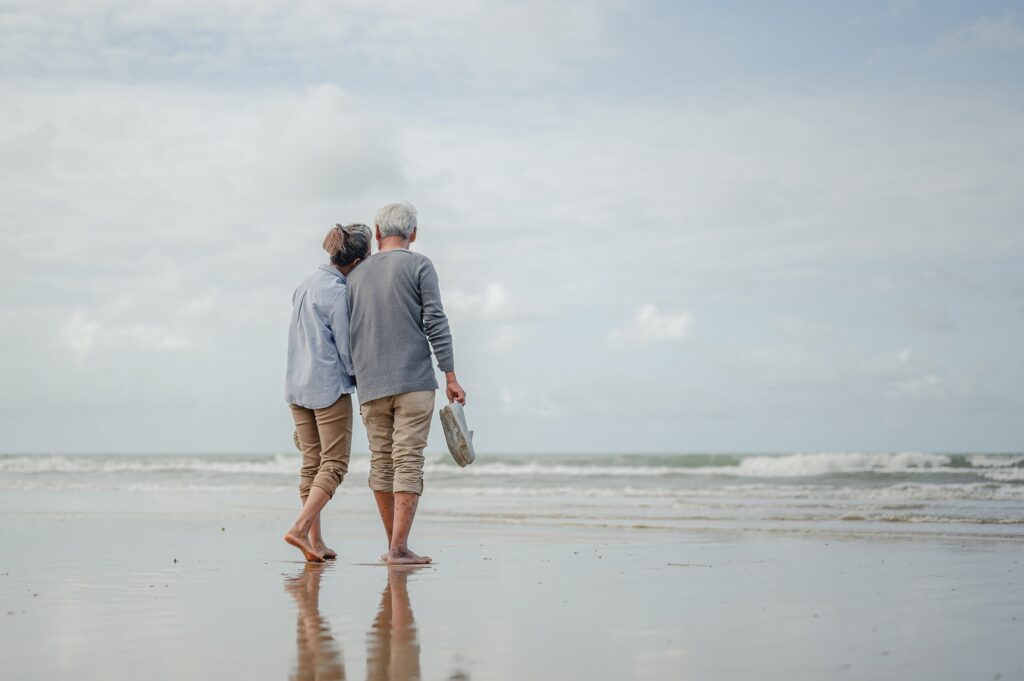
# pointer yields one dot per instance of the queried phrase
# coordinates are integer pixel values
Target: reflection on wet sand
(318, 655)
(392, 644)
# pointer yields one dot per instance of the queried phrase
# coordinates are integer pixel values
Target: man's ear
(413, 237)
(376, 235)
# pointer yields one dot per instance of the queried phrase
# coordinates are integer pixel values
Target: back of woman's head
(347, 243)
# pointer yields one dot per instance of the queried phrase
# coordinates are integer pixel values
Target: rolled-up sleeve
(435, 322)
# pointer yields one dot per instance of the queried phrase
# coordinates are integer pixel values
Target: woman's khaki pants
(325, 438)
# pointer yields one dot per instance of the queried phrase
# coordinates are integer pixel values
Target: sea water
(879, 492)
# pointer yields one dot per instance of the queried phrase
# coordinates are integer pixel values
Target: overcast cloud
(658, 227)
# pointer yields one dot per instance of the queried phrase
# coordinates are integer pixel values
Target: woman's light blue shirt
(319, 360)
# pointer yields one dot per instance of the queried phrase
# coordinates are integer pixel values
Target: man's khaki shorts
(397, 427)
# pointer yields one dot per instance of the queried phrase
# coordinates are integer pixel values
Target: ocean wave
(537, 468)
(933, 518)
(42, 484)
(1000, 468)
(741, 494)
(272, 465)
(288, 464)
(995, 461)
(764, 466)
(898, 492)
(1004, 474)
(806, 465)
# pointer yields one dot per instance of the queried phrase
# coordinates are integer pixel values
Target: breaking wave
(998, 467)
(892, 488)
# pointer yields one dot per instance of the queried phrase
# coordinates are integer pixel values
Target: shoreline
(482, 512)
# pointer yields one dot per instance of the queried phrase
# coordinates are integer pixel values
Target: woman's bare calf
(298, 535)
(316, 539)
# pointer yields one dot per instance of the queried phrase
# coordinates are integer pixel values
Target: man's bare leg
(405, 513)
(316, 538)
(386, 507)
(298, 536)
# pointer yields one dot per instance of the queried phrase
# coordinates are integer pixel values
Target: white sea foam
(277, 464)
(1004, 474)
(999, 468)
(539, 469)
(995, 461)
(902, 488)
(42, 484)
(288, 464)
(782, 466)
(803, 465)
(764, 466)
(980, 491)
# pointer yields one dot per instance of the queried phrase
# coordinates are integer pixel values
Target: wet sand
(204, 587)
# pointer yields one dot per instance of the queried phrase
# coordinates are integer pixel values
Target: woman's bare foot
(406, 557)
(299, 541)
(323, 549)
(384, 557)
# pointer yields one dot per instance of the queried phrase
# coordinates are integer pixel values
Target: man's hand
(453, 390)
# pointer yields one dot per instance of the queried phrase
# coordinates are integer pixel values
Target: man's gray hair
(396, 219)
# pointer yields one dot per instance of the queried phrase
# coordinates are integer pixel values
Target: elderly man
(396, 318)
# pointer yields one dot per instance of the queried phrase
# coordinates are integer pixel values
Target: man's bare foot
(299, 541)
(406, 557)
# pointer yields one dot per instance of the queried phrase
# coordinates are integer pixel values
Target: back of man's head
(396, 219)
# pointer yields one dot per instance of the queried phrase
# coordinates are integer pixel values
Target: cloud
(178, 221)
(924, 386)
(506, 338)
(167, 171)
(84, 336)
(819, 358)
(487, 303)
(933, 318)
(488, 319)
(984, 34)
(651, 326)
(267, 39)
(528, 404)
(79, 334)
(167, 213)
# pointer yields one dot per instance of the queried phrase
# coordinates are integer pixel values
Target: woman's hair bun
(347, 243)
(334, 242)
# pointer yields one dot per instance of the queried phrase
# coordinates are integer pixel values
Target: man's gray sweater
(395, 309)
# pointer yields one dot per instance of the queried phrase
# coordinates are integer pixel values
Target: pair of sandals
(456, 433)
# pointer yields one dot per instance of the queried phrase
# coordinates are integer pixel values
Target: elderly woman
(320, 381)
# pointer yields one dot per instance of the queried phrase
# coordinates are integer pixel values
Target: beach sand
(201, 586)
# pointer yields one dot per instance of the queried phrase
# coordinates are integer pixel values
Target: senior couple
(367, 321)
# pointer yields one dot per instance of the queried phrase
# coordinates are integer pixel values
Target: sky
(659, 226)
